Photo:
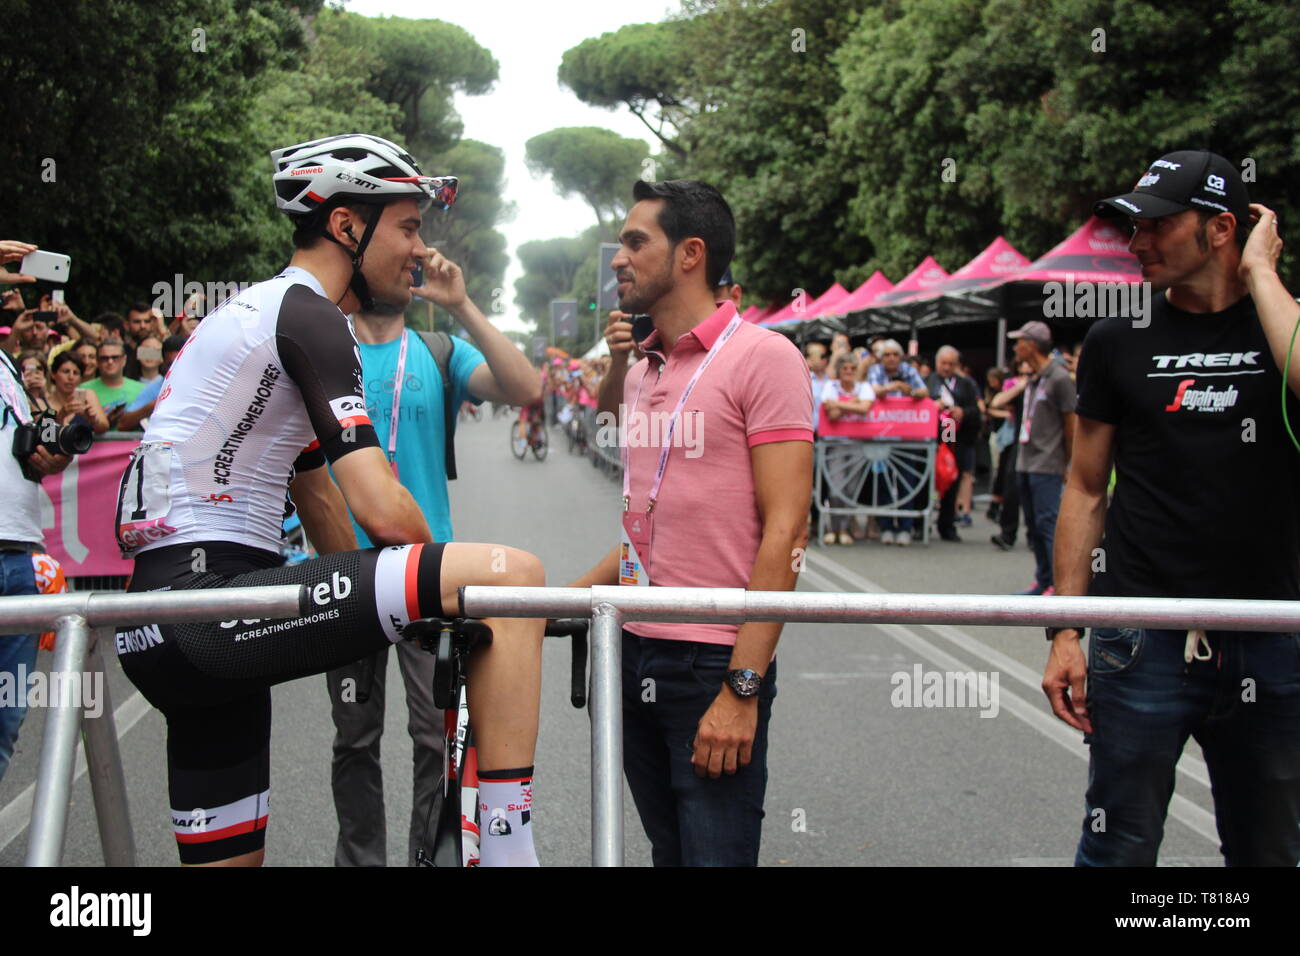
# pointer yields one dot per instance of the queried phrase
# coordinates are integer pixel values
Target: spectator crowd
(107, 373)
(985, 424)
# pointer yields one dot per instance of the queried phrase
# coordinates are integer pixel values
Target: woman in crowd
(35, 380)
(999, 435)
(149, 355)
(85, 354)
(68, 401)
(845, 399)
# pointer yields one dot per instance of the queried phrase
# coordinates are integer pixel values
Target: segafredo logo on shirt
(1208, 399)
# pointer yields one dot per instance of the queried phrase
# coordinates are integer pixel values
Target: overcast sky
(528, 39)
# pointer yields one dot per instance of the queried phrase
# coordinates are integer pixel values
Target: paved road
(853, 779)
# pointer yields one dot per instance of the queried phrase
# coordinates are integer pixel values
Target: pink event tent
(924, 277)
(865, 295)
(1000, 260)
(811, 309)
(762, 313)
(1095, 252)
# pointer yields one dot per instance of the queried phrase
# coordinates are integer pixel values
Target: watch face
(744, 682)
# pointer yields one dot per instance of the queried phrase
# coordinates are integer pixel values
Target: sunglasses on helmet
(440, 189)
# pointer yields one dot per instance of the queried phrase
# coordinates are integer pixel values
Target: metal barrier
(606, 455)
(607, 607)
(610, 607)
(874, 477)
(77, 655)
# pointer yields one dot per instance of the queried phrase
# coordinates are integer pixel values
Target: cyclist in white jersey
(266, 391)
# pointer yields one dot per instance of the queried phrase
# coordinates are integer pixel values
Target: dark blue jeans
(690, 820)
(1040, 496)
(16, 577)
(1243, 708)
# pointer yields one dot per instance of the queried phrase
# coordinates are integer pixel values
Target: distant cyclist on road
(267, 390)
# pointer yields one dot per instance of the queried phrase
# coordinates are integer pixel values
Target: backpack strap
(441, 345)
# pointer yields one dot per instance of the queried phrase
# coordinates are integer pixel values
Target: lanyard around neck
(397, 398)
(730, 330)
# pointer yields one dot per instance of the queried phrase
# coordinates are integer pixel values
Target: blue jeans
(1145, 701)
(894, 524)
(1040, 496)
(690, 820)
(16, 577)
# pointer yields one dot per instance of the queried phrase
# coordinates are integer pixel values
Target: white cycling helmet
(355, 167)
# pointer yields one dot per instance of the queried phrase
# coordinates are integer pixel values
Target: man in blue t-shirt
(495, 370)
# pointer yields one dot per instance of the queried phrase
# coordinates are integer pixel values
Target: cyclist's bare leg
(506, 678)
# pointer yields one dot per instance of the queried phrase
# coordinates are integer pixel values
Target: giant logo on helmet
(349, 178)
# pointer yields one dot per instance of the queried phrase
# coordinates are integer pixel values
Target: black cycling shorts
(212, 681)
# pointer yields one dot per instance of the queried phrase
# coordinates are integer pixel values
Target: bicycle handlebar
(575, 628)
(567, 627)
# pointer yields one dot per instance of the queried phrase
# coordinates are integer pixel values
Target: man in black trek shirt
(1187, 402)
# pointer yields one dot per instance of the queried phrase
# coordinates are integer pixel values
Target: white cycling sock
(505, 809)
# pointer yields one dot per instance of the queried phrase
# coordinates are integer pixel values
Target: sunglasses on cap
(440, 189)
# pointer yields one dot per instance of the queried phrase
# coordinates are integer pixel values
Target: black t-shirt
(1207, 493)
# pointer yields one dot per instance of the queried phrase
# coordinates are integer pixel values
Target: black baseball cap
(1187, 179)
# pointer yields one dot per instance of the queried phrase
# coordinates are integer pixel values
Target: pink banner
(902, 419)
(79, 508)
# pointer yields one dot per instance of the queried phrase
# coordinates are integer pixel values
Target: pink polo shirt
(706, 523)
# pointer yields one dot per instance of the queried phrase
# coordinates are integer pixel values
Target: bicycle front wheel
(540, 445)
(518, 445)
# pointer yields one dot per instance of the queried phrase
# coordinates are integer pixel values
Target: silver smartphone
(50, 266)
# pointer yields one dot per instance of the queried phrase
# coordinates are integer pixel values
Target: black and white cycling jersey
(267, 384)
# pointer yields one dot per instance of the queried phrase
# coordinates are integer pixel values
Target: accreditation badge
(637, 531)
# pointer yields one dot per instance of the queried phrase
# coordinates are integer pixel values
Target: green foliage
(769, 74)
(827, 123)
(646, 67)
(466, 233)
(142, 133)
(590, 162)
(158, 119)
(549, 266)
(417, 65)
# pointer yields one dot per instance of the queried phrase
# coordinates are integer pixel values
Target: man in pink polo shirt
(718, 476)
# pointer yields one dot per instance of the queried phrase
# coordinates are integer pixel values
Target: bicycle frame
(456, 836)
(460, 767)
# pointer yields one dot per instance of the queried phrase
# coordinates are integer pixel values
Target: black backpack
(441, 345)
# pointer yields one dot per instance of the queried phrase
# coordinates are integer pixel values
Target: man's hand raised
(618, 335)
(1263, 246)
(444, 283)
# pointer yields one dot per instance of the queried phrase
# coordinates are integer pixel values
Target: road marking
(17, 814)
(845, 675)
(1191, 766)
(1175, 861)
(1185, 811)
